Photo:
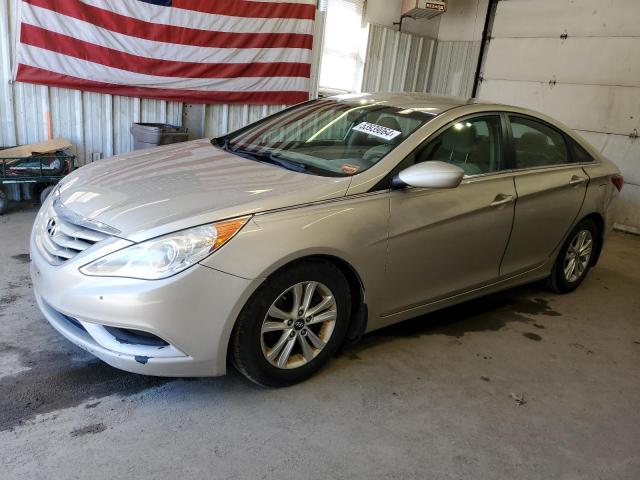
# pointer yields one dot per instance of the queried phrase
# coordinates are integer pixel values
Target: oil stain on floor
(89, 430)
(532, 336)
(489, 313)
(55, 381)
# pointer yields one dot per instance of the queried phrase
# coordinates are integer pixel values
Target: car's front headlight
(164, 256)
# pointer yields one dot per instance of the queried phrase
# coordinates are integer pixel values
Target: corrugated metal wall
(395, 61)
(403, 62)
(98, 124)
(454, 68)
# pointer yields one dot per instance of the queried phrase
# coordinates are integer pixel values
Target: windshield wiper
(223, 144)
(267, 157)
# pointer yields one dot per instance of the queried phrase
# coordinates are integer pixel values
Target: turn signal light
(227, 229)
(618, 181)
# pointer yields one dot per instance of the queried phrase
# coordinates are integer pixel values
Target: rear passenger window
(536, 144)
(472, 144)
(580, 155)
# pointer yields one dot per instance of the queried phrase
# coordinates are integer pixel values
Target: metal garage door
(578, 61)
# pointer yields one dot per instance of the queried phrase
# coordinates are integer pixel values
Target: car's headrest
(462, 140)
(532, 142)
(389, 122)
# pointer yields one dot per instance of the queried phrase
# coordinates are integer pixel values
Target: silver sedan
(271, 245)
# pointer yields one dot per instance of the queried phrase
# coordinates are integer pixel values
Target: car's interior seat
(532, 150)
(460, 147)
(482, 155)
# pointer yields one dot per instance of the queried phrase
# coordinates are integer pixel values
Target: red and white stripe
(226, 51)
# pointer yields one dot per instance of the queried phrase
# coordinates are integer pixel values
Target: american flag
(195, 51)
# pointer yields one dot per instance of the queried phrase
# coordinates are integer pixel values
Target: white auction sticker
(377, 130)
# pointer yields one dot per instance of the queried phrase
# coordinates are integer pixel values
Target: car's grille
(60, 240)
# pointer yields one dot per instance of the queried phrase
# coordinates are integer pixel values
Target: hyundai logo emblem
(52, 228)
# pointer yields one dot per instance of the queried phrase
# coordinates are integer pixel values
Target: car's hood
(151, 192)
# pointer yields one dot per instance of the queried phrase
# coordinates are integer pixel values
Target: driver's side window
(473, 144)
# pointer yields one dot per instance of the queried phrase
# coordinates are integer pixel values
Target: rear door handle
(576, 180)
(501, 199)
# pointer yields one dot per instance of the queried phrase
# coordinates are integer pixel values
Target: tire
(258, 334)
(45, 193)
(4, 202)
(562, 282)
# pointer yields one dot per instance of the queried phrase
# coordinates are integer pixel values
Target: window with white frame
(345, 44)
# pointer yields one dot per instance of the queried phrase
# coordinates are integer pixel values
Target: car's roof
(434, 104)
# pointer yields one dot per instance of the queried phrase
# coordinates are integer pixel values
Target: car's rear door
(446, 241)
(550, 189)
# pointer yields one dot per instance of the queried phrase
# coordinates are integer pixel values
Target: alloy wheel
(298, 325)
(578, 256)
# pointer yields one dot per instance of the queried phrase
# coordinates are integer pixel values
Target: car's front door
(550, 193)
(446, 241)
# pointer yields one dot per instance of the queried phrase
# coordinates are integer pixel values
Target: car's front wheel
(292, 324)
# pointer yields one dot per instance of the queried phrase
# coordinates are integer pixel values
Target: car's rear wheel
(292, 325)
(575, 258)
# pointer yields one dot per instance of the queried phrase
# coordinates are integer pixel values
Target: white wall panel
(590, 80)
(67, 119)
(126, 110)
(221, 119)
(463, 20)
(628, 215)
(583, 60)
(597, 108)
(7, 125)
(387, 12)
(31, 112)
(174, 113)
(98, 122)
(551, 18)
(625, 151)
(316, 53)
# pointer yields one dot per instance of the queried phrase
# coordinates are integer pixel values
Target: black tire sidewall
(560, 283)
(4, 201)
(246, 351)
(46, 191)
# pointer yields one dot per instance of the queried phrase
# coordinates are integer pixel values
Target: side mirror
(430, 174)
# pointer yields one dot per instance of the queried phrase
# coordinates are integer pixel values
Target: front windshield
(327, 136)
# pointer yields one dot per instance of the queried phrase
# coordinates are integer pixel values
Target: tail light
(618, 181)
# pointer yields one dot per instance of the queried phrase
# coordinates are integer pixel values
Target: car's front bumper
(193, 312)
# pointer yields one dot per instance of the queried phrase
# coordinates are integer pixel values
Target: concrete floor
(435, 397)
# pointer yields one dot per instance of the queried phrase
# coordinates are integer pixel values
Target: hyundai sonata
(270, 246)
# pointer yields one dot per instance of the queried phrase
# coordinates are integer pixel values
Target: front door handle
(501, 199)
(577, 180)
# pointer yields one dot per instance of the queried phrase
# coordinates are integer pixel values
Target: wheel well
(358, 322)
(599, 221)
